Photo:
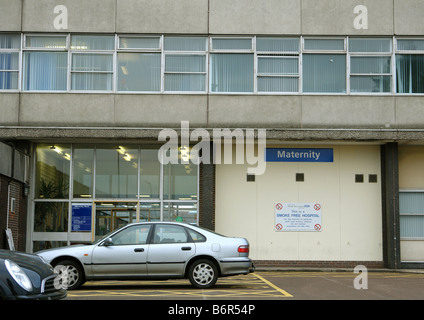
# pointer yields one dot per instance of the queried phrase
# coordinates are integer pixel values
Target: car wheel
(203, 274)
(71, 275)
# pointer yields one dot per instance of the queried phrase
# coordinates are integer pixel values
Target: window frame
(111, 52)
(204, 53)
(157, 50)
(283, 55)
(411, 214)
(208, 53)
(25, 48)
(18, 71)
(397, 52)
(343, 51)
(354, 54)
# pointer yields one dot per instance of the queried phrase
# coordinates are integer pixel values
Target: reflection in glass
(114, 215)
(51, 217)
(52, 172)
(180, 181)
(180, 212)
(149, 211)
(139, 71)
(149, 174)
(43, 245)
(83, 171)
(116, 172)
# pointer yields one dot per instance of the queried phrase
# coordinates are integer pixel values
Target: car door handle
(186, 248)
(139, 250)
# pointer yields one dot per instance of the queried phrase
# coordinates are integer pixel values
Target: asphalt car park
(266, 285)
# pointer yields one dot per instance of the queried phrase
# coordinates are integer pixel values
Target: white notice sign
(297, 216)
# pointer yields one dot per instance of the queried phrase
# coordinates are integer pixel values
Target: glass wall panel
(43, 245)
(45, 70)
(232, 72)
(83, 171)
(51, 217)
(149, 211)
(180, 181)
(139, 71)
(52, 172)
(410, 73)
(180, 212)
(149, 174)
(324, 73)
(114, 215)
(116, 172)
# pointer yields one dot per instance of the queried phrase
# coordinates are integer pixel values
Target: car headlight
(19, 275)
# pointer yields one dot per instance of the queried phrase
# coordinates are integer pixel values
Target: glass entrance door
(112, 215)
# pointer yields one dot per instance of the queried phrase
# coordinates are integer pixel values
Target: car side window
(169, 234)
(132, 236)
(196, 236)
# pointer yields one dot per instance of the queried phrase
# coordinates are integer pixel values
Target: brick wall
(17, 220)
(317, 264)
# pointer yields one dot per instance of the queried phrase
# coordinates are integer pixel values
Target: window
(185, 64)
(324, 66)
(134, 235)
(278, 64)
(411, 206)
(52, 174)
(169, 234)
(232, 63)
(410, 66)
(92, 62)
(9, 61)
(83, 165)
(116, 172)
(196, 236)
(370, 65)
(45, 63)
(139, 64)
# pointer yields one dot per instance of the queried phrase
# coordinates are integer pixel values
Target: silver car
(153, 250)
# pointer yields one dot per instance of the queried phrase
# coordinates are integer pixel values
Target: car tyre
(74, 274)
(203, 274)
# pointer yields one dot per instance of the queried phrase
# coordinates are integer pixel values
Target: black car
(25, 276)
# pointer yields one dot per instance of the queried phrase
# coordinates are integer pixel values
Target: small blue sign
(299, 155)
(81, 217)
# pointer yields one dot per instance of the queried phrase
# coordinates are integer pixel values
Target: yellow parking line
(286, 294)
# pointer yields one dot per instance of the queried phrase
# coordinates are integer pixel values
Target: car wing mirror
(108, 242)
